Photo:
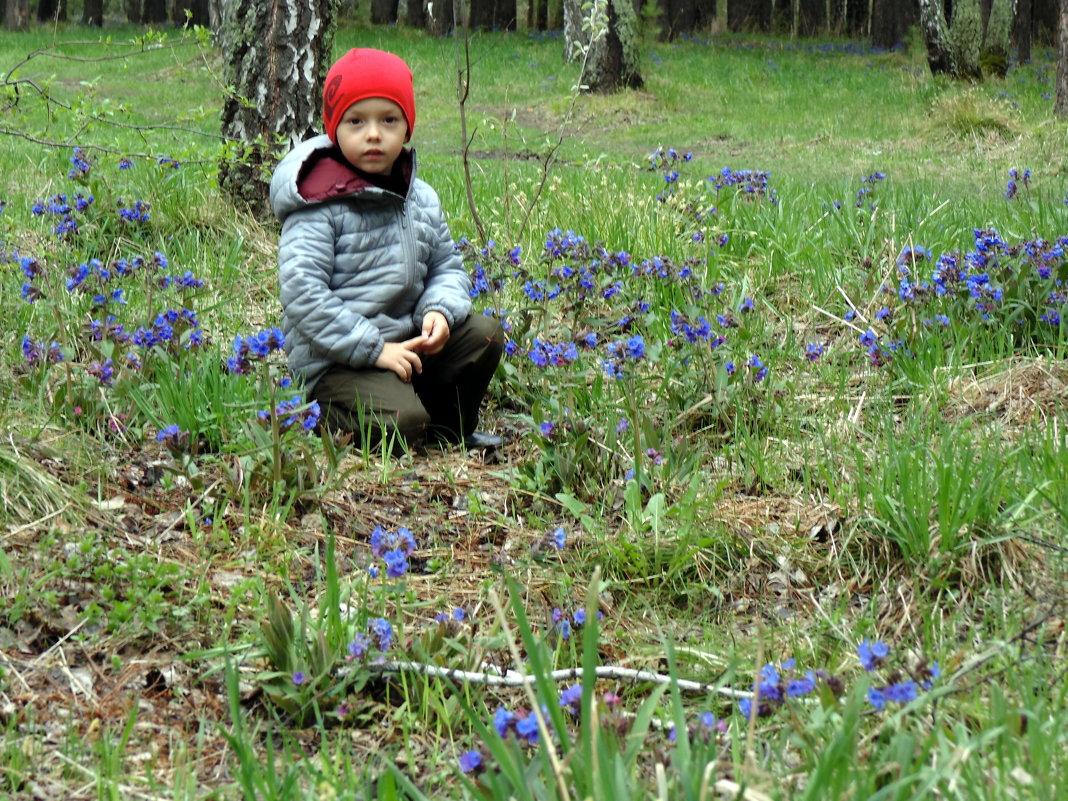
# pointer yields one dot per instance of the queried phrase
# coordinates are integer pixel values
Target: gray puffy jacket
(359, 267)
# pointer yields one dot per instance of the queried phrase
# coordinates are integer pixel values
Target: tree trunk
(612, 61)
(440, 17)
(154, 12)
(384, 12)
(276, 59)
(198, 13)
(574, 36)
(415, 13)
(677, 17)
(966, 39)
(16, 15)
(935, 37)
(1060, 104)
(480, 14)
(93, 13)
(891, 20)
(505, 15)
(1021, 33)
(52, 10)
(994, 57)
(133, 11)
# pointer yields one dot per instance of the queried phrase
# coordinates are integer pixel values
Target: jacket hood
(314, 172)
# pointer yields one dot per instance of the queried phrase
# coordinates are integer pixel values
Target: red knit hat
(363, 73)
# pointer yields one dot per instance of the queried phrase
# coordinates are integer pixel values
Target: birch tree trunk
(1060, 104)
(613, 57)
(276, 56)
(935, 37)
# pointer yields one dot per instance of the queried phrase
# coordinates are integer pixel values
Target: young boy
(375, 299)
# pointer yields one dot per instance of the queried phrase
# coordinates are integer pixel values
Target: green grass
(719, 523)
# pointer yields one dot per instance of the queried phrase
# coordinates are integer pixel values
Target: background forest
(781, 508)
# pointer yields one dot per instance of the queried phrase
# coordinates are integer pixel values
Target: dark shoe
(480, 441)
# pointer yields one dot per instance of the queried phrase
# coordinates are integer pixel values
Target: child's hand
(435, 333)
(401, 358)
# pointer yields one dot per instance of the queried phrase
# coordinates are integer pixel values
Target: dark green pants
(440, 404)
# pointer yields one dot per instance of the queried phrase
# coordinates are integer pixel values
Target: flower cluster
(522, 725)
(749, 183)
(393, 548)
(254, 347)
(621, 352)
(777, 683)
(900, 687)
(292, 414)
(173, 438)
(867, 189)
(137, 212)
(1015, 179)
(565, 624)
(60, 206)
(41, 352)
(379, 634)
(80, 165)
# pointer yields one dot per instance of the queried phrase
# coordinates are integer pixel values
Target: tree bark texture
(93, 13)
(966, 39)
(613, 58)
(935, 37)
(276, 58)
(16, 15)
(1060, 103)
(574, 36)
(1022, 31)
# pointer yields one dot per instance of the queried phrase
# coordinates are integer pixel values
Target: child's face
(372, 133)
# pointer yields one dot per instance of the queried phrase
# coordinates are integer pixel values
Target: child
(376, 306)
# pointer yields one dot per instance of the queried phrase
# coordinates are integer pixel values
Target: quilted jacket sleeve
(448, 287)
(305, 267)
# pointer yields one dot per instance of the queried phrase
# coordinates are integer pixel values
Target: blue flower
(502, 721)
(571, 698)
(871, 655)
(358, 647)
(299, 678)
(559, 538)
(471, 762)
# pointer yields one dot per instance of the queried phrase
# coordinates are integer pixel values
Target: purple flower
(571, 699)
(559, 538)
(358, 647)
(471, 762)
(298, 678)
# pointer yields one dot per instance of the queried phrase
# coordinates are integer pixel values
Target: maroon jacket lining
(326, 175)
